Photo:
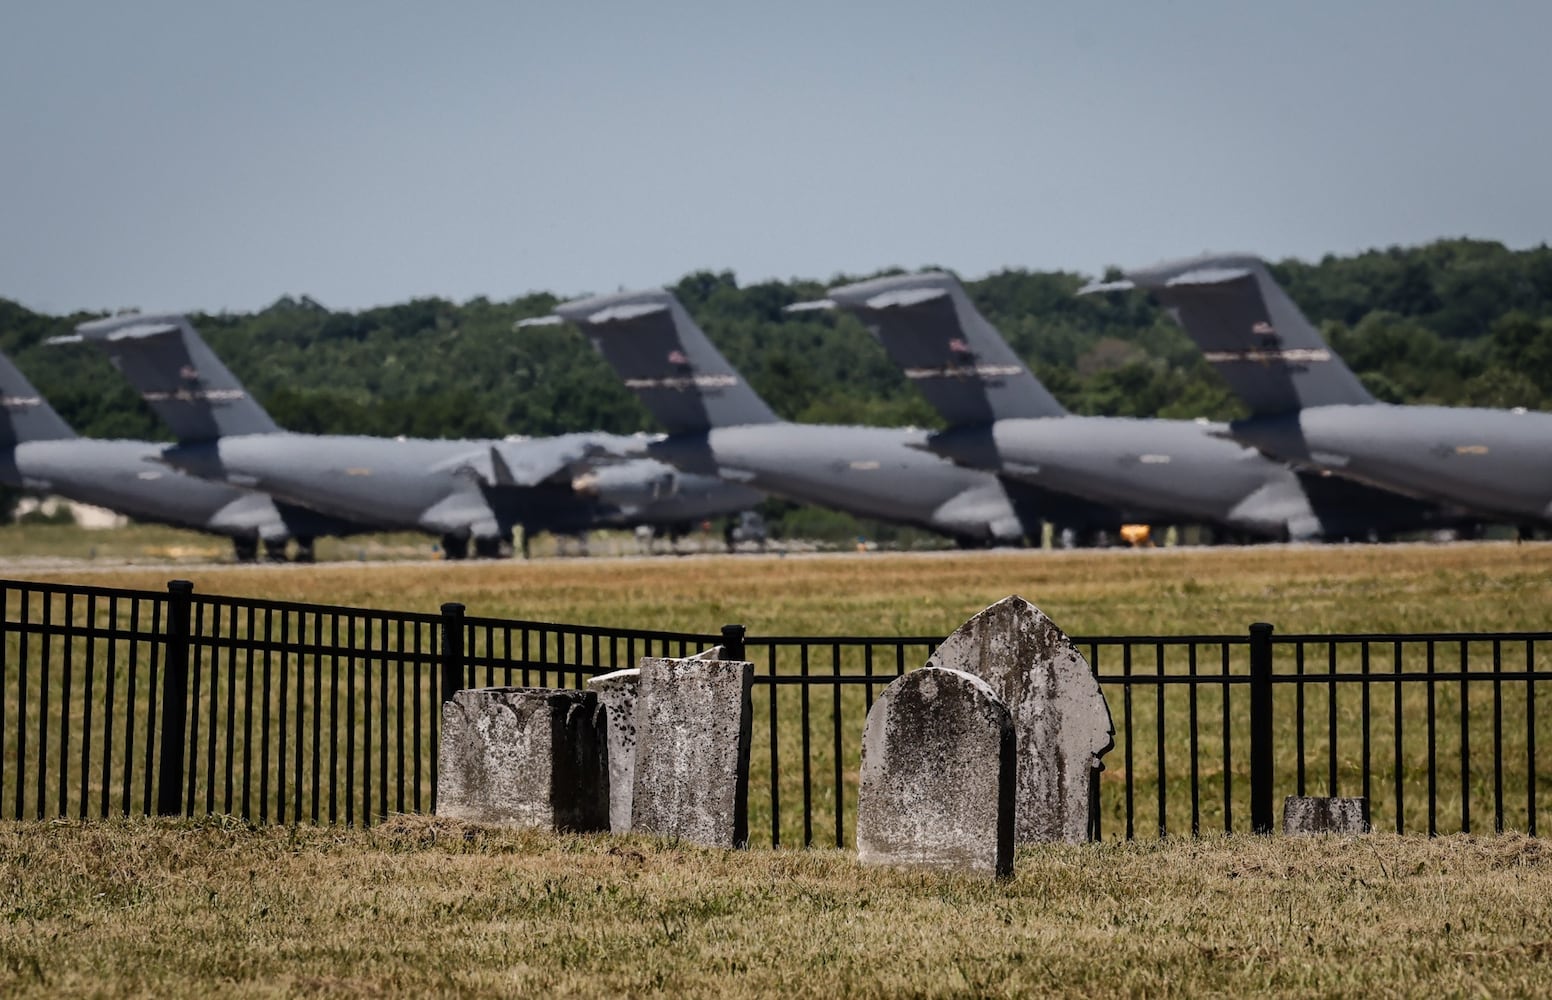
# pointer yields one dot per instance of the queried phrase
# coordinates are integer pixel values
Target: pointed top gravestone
(1060, 719)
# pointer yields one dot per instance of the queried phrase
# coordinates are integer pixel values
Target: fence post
(452, 650)
(732, 642)
(175, 699)
(1261, 728)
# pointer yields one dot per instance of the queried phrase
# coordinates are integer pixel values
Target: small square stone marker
(529, 757)
(1303, 815)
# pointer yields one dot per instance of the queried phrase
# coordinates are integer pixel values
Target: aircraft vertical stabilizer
(1251, 332)
(667, 361)
(957, 359)
(178, 374)
(24, 414)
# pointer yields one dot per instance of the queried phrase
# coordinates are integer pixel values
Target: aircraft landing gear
(275, 551)
(487, 548)
(455, 547)
(304, 551)
(245, 550)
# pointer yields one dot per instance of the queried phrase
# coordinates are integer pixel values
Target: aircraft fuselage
(1494, 462)
(127, 477)
(866, 471)
(390, 483)
(1169, 471)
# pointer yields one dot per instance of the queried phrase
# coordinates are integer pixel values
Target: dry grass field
(417, 906)
(1489, 586)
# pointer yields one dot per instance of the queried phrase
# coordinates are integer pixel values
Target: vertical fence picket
(1400, 757)
(175, 694)
(1261, 728)
(43, 705)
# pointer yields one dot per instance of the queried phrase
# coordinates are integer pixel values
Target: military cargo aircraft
(458, 490)
(39, 452)
(1002, 419)
(1307, 407)
(717, 424)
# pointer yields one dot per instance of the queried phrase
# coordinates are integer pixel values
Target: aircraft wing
(530, 463)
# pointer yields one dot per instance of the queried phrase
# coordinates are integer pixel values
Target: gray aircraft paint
(1003, 420)
(39, 452)
(719, 426)
(1309, 408)
(457, 488)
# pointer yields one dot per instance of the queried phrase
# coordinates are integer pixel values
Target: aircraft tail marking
(24, 414)
(938, 339)
(178, 374)
(664, 357)
(1251, 331)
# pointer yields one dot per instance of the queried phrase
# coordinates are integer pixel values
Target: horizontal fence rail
(118, 702)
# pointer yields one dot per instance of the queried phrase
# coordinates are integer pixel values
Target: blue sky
(214, 155)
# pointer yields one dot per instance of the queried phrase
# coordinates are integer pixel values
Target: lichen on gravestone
(531, 757)
(617, 692)
(694, 721)
(937, 781)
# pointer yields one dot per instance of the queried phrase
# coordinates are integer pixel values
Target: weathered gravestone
(1060, 719)
(693, 722)
(617, 692)
(533, 757)
(1315, 814)
(938, 775)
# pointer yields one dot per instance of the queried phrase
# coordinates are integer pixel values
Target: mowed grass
(1485, 586)
(421, 907)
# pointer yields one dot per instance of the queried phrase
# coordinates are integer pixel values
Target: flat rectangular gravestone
(1060, 720)
(693, 722)
(1314, 814)
(617, 692)
(938, 770)
(530, 757)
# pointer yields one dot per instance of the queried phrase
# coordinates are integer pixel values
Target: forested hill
(1458, 321)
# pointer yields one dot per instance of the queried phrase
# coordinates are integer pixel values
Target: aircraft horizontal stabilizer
(905, 297)
(1207, 276)
(814, 306)
(626, 312)
(1095, 287)
(550, 320)
(126, 328)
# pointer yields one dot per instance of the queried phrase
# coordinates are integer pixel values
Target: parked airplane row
(1318, 458)
(234, 472)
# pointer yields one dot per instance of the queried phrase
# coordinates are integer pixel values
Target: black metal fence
(115, 702)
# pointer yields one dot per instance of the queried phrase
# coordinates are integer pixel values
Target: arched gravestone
(1060, 718)
(617, 693)
(937, 775)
